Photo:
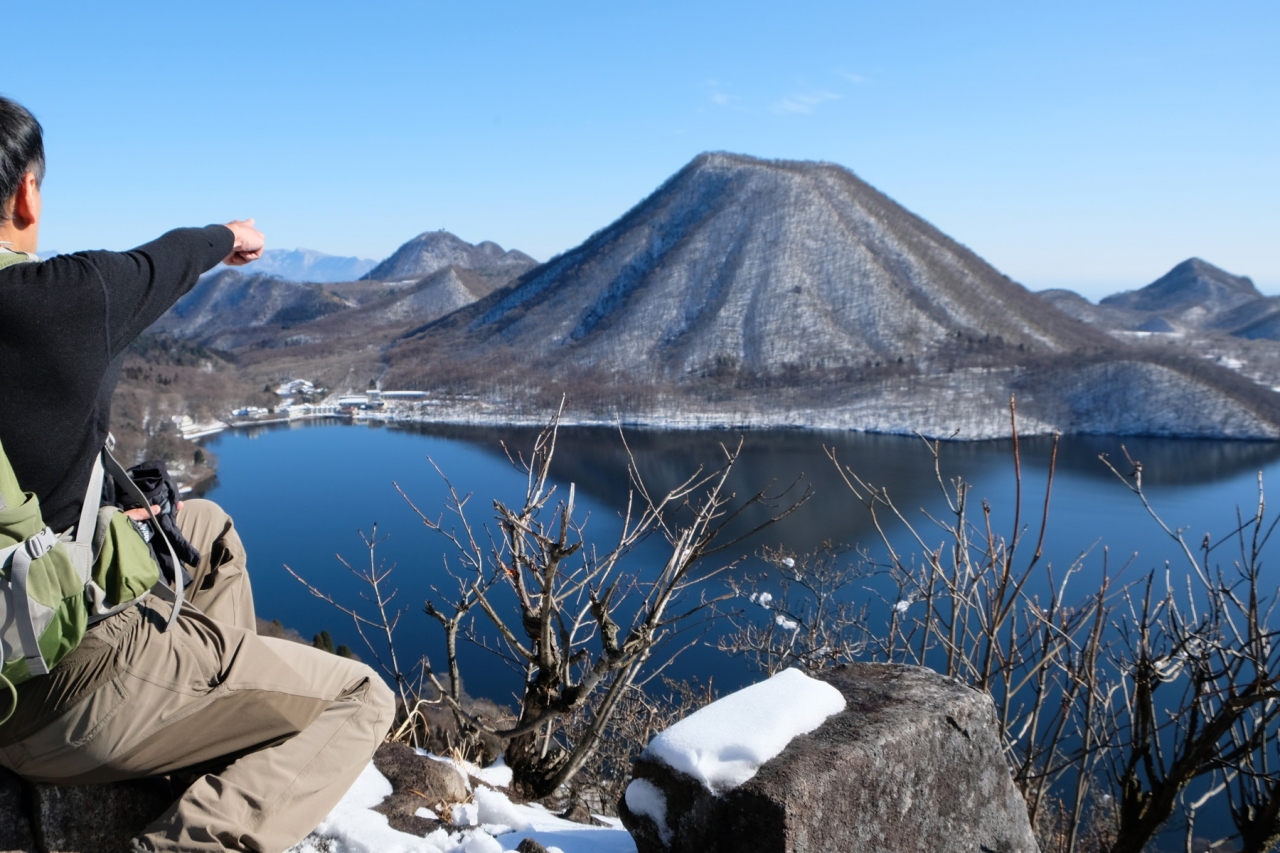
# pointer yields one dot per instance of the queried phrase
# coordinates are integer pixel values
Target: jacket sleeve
(138, 286)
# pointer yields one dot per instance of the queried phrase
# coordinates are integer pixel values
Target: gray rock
(401, 810)
(408, 772)
(913, 763)
(530, 846)
(319, 843)
(416, 782)
(80, 818)
(578, 812)
(15, 828)
(98, 818)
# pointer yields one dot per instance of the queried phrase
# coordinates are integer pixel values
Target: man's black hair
(21, 150)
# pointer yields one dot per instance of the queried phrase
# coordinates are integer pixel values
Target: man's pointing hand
(248, 245)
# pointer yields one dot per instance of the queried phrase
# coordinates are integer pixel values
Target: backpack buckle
(40, 544)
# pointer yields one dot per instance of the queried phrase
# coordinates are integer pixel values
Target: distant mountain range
(310, 265)
(416, 259)
(746, 292)
(1193, 296)
(234, 308)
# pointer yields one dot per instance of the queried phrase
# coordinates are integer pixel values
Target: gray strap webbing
(79, 541)
(123, 481)
(92, 501)
(33, 549)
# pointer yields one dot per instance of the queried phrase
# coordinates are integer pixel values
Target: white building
(295, 386)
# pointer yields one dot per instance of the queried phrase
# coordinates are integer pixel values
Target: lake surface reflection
(301, 494)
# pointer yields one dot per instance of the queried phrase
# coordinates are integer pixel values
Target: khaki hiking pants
(279, 730)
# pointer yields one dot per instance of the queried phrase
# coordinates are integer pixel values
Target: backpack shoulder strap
(125, 483)
(79, 541)
(92, 501)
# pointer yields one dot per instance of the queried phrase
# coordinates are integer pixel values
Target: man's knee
(220, 584)
(203, 519)
(372, 691)
(381, 696)
(375, 693)
(201, 507)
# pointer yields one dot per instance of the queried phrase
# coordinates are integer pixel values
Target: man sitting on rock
(277, 731)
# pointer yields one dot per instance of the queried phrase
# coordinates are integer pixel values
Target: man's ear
(26, 202)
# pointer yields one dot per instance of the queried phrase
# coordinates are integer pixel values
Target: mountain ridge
(434, 250)
(750, 286)
(1194, 296)
(1194, 283)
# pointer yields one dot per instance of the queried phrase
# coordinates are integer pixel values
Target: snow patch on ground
(496, 825)
(723, 744)
(359, 829)
(497, 774)
(495, 808)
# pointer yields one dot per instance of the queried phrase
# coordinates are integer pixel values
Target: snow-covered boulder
(862, 757)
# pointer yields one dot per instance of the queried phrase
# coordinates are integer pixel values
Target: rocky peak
(435, 250)
(1192, 285)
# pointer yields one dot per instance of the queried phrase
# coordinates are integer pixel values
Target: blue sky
(1070, 144)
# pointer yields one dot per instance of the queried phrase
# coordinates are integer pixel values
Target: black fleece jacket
(65, 324)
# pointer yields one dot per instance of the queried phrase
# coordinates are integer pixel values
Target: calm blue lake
(301, 495)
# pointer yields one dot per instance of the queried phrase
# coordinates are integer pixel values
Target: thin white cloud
(850, 77)
(719, 96)
(803, 103)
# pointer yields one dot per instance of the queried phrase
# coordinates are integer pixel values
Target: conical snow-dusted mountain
(435, 250)
(746, 291)
(767, 266)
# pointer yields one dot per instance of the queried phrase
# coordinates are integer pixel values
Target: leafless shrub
(639, 715)
(1197, 672)
(582, 627)
(962, 607)
(1120, 709)
(812, 622)
(376, 629)
(1056, 830)
(423, 719)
